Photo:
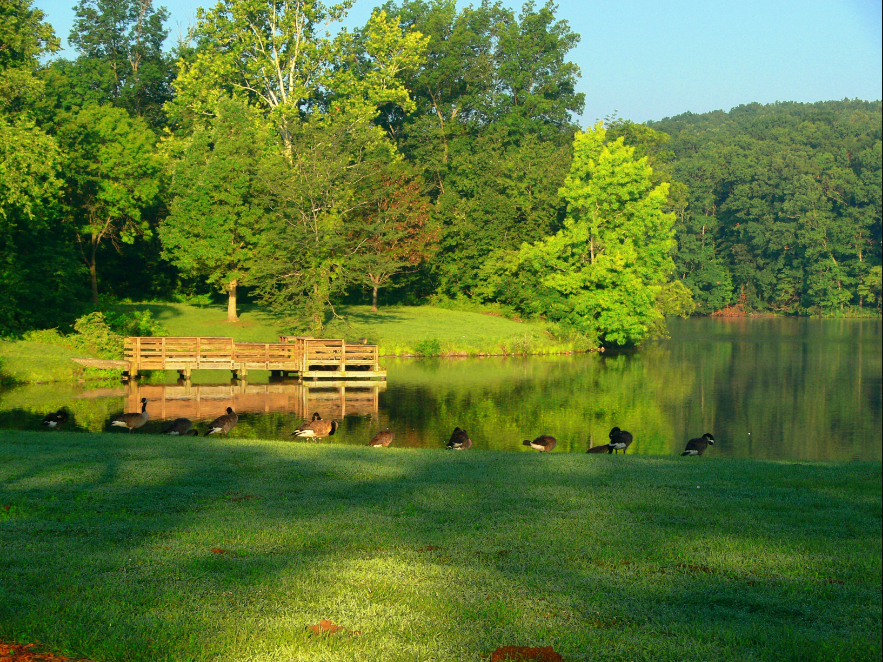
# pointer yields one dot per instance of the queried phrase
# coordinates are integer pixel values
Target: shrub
(428, 347)
(94, 335)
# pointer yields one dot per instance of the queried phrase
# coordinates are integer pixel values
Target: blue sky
(649, 59)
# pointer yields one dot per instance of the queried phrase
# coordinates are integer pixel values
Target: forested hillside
(431, 155)
(781, 205)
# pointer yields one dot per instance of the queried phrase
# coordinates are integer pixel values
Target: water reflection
(778, 389)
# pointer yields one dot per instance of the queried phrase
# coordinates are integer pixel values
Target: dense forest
(432, 155)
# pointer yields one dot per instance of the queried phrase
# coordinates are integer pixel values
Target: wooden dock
(206, 401)
(301, 356)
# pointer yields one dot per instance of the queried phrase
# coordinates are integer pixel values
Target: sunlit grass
(24, 361)
(398, 330)
(108, 539)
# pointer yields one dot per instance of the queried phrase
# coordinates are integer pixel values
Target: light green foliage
(602, 273)
(24, 37)
(279, 57)
(430, 555)
(113, 179)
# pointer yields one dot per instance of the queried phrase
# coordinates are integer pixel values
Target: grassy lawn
(398, 330)
(135, 547)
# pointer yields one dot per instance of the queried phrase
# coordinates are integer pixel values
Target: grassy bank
(136, 547)
(23, 361)
(398, 330)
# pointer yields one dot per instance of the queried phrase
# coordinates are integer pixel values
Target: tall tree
(394, 231)
(312, 249)
(120, 61)
(219, 198)
(605, 272)
(35, 263)
(277, 55)
(493, 127)
(113, 180)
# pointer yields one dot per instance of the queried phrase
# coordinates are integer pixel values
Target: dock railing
(306, 356)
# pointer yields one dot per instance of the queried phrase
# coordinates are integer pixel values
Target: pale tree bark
(231, 301)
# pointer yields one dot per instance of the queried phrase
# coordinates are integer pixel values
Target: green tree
(121, 61)
(113, 177)
(312, 248)
(394, 231)
(278, 56)
(24, 37)
(219, 194)
(606, 272)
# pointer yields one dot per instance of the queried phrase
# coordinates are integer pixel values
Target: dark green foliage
(492, 130)
(783, 207)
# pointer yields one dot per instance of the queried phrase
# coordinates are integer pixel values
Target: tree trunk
(93, 269)
(231, 302)
(374, 300)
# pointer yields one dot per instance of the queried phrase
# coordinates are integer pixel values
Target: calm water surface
(777, 389)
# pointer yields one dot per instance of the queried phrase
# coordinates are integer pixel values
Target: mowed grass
(23, 361)
(397, 330)
(136, 547)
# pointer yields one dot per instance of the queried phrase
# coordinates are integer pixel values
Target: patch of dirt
(218, 550)
(525, 654)
(429, 548)
(27, 653)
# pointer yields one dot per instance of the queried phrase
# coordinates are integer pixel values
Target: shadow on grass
(149, 548)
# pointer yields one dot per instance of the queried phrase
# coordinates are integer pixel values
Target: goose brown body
(698, 445)
(224, 423)
(320, 428)
(459, 440)
(382, 439)
(132, 420)
(544, 443)
(180, 426)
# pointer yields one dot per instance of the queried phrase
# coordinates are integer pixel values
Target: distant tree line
(431, 154)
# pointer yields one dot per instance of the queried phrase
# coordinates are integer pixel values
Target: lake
(766, 388)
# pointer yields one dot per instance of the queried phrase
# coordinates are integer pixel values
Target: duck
(57, 419)
(459, 440)
(544, 443)
(224, 423)
(182, 427)
(316, 428)
(698, 445)
(382, 439)
(132, 420)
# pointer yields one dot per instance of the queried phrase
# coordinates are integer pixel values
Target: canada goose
(320, 428)
(132, 421)
(544, 443)
(224, 423)
(182, 427)
(383, 438)
(316, 416)
(619, 440)
(57, 419)
(459, 440)
(698, 445)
